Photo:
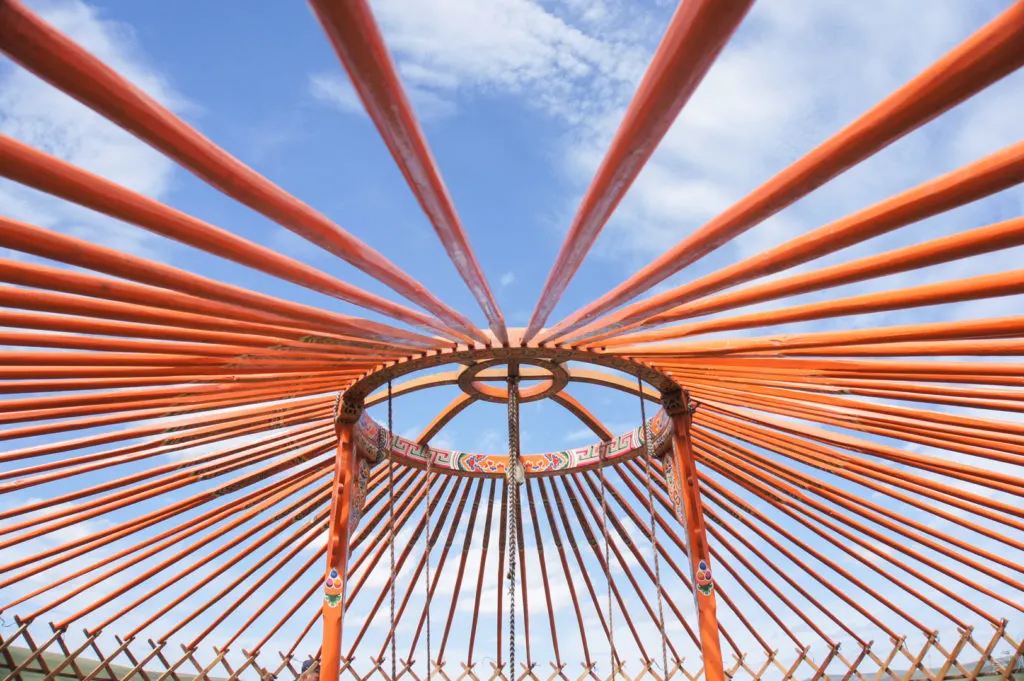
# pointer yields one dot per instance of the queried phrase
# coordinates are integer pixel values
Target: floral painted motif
(333, 589)
(669, 465)
(705, 584)
(359, 495)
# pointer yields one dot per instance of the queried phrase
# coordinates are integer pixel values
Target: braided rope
(607, 563)
(430, 546)
(648, 458)
(512, 488)
(391, 532)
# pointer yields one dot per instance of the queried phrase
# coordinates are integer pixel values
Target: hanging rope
(391, 527)
(430, 461)
(514, 477)
(607, 564)
(649, 455)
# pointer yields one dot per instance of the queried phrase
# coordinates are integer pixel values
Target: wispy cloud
(38, 114)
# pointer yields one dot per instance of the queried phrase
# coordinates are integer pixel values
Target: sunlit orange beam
(992, 328)
(942, 293)
(912, 376)
(566, 571)
(49, 54)
(697, 33)
(173, 432)
(52, 521)
(68, 467)
(843, 385)
(255, 585)
(358, 42)
(173, 470)
(152, 545)
(44, 321)
(829, 461)
(994, 440)
(414, 577)
(456, 520)
(460, 573)
(821, 442)
(39, 170)
(320, 472)
(982, 178)
(596, 546)
(570, 536)
(780, 478)
(85, 284)
(184, 353)
(624, 537)
(183, 403)
(786, 575)
(107, 535)
(407, 495)
(965, 244)
(826, 531)
(111, 419)
(284, 518)
(984, 58)
(484, 549)
(997, 400)
(317, 585)
(64, 304)
(713, 489)
(940, 348)
(184, 380)
(967, 473)
(26, 238)
(117, 574)
(303, 570)
(954, 247)
(860, 367)
(645, 529)
(74, 393)
(796, 583)
(181, 398)
(137, 356)
(538, 537)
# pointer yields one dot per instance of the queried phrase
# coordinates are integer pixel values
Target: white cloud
(507, 279)
(335, 91)
(38, 114)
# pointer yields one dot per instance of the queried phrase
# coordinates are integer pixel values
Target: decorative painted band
(622, 448)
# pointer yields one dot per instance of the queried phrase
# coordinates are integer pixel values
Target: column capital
(347, 410)
(676, 402)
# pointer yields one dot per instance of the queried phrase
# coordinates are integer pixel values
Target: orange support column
(342, 513)
(685, 492)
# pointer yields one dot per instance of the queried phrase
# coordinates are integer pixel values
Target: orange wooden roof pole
(990, 54)
(41, 49)
(36, 169)
(26, 238)
(360, 46)
(693, 40)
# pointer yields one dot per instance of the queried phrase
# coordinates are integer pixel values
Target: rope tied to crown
(648, 459)
(387, 441)
(514, 477)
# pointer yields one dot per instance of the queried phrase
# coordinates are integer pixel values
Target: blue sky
(519, 99)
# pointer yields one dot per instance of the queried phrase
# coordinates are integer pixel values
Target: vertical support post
(686, 493)
(342, 495)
